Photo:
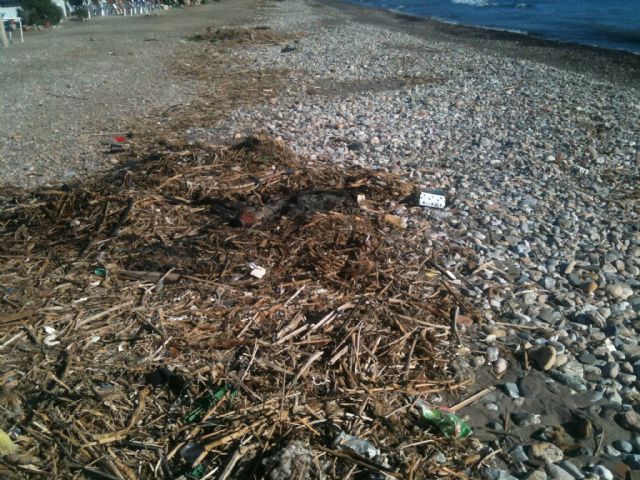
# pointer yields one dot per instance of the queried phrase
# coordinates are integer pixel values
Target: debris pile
(227, 312)
(260, 35)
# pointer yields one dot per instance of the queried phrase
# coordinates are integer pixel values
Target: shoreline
(619, 66)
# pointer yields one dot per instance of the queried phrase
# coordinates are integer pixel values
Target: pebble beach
(536, 146)
(539, 160)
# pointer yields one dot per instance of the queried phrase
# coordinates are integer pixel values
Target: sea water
(611, 24)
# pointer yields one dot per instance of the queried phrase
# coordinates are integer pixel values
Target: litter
(50, 339)
(257, 271)
(293, 461)
(396, 221)
(449, 424)
(7, 446)
(294, 358)
(361, 447)
(432, 198)
(209, 400)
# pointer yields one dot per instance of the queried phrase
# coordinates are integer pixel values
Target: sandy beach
(535, 144)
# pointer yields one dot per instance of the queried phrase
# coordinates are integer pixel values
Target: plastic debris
(50, 339)
(101, 272)
(362, 447)
(257, 271)
(7, 446)
(191, 451)
(432, 198)
(293, 461)
(207, 402)
(117, 144)
(450, 425)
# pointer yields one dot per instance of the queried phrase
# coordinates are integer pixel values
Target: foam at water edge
(474, 3)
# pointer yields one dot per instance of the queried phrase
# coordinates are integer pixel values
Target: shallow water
(611, 24)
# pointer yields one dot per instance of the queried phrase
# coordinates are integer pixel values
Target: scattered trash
(191, 451)
(450, 425)
(395, 220)
(293, 461)
(323, 257)
(117, 144)
(101, 272)
(288, 49)
(50, 339)
(257, 271)
(361, 447)
(247, 219)
(197, 472)
(207, 402)
(432, 198)
(7, 446)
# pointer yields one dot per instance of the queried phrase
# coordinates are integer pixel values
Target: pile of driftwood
(215, 312)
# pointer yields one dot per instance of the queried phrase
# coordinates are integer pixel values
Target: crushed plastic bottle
(361, 447)
(450, 425)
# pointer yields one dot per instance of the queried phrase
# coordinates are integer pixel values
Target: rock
(511, 389)
(573, 367)
(626, 378)
(587, 358)
(603, 472)
(611, 451)
(500, 366)
(621, 291)
(573, 470)
(545, 451)
(630, 420)
(623, 446)
(537, 475)
(525, 419)
(610, 370)
(543, 357)
(517, 454)
(561, 360)
(570, 381)
(496, 474)
(558, 473)
(532, 384)
(548, 315)
(632, 461)
(493, 353)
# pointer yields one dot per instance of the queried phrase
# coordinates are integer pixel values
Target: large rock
(620, 290)
(630, 420)
(558, 473)
(543, 357)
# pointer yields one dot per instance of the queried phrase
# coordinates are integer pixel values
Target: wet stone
(525, 419)
(510, 389)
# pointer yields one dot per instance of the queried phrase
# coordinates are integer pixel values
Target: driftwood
(135, 324)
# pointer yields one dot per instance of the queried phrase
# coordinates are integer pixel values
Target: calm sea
(604, 23)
